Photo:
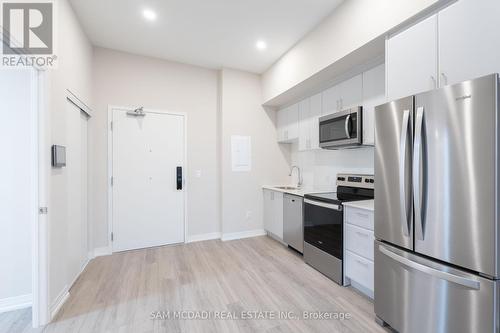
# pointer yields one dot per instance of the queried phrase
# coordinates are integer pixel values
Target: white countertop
(300, 192)
(362, 204)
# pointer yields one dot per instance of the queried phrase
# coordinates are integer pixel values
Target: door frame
(40, 196)
(110, 166)
(40, 126)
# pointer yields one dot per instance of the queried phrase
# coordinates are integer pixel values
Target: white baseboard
(15, 303)
(276, 238)
(102, 251)
(362, 289)
(243, 234)
(203, 237)
(58, 302)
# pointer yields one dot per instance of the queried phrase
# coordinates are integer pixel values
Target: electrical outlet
(249, 214)
(197, 173)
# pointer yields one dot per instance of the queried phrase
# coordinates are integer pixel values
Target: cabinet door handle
(434, 82)
(445, 78)
(362, 215)
(362, 263)
(362, 234)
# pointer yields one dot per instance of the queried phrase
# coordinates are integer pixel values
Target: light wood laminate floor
(119, 293)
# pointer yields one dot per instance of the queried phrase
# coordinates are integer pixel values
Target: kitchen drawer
(360, 217)
(359, 270)
(359, 241)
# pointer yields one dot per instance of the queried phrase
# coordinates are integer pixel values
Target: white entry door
(76, 168)
(148, 161)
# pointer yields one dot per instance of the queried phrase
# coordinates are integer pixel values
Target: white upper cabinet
(412, 60)
(351, 92)
(468, 40)
(315, 111)
(373, 95)
(309, 113)
(344, 95)
(331, 100)
(304, 124)
(288, 124)
(301, 121)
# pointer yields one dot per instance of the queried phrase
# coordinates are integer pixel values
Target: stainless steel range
(324, 223)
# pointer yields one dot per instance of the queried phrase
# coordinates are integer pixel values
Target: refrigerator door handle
(417, 145)
(469, 283)
(402, 174)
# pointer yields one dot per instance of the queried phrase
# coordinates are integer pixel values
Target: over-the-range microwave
(342, 129)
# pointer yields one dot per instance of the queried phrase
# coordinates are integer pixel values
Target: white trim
(243, 234)
(40, 233)
(203, 237)
(110, 166)
(102, 251)
(59, 302)
(15, 303)
(70, 96)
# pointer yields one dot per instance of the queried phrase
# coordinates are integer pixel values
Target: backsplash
(320, 167)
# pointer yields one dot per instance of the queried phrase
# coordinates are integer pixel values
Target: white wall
(242, 114)
(73, 72)
(128, 80)
(353, 24)
(320, 167)
(17, 183)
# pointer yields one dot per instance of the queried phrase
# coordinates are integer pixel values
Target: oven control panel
(362, 181)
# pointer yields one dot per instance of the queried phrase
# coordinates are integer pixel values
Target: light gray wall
(242, 114)
(73, 72)
(127, 80)
(17, 183)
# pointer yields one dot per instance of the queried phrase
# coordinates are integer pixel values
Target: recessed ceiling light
(149, 14)
(261, 45)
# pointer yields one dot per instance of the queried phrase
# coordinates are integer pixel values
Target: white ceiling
(208, 33)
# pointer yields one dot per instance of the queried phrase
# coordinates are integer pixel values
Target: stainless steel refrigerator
(437, 178)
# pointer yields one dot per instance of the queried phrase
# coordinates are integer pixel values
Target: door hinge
(111, 125)
(43, 210)
(112, 180)
(112, 237)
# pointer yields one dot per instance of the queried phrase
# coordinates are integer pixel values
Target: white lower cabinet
(358, 249)
(359, 240)
(360, 271)
(273, 213)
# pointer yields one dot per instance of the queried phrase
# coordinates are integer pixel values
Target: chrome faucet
(299, 175)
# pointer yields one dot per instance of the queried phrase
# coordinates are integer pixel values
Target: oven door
(323, 226)
(341, 129)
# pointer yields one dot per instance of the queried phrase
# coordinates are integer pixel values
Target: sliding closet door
(76, 168)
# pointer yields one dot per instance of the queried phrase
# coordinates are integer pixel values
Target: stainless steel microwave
(341, 129)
